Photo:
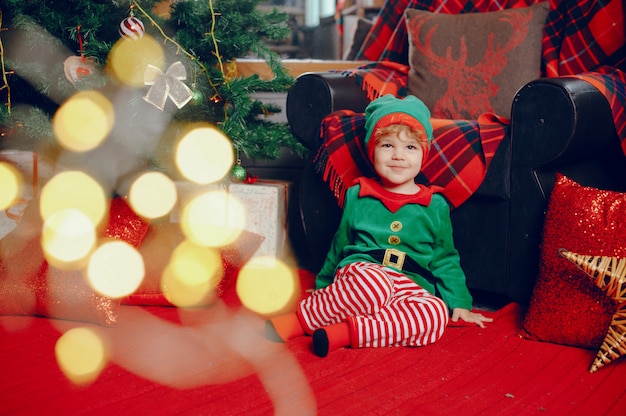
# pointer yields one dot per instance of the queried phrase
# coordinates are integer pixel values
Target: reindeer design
(468, 86)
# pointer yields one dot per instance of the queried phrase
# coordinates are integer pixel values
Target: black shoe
(320, 342)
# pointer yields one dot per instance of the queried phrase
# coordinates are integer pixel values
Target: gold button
(396, 226)
(394, 240)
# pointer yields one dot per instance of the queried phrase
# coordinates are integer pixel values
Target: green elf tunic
(418, 225)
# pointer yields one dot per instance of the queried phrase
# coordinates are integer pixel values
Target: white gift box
(265, 204)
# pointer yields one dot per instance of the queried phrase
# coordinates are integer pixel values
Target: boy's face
(398, 160)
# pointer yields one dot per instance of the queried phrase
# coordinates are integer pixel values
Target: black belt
(399, 260)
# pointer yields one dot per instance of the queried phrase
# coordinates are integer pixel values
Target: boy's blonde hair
(414, 134)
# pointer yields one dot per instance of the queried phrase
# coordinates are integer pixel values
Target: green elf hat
(388, 110)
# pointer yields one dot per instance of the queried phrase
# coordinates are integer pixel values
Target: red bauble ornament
(131, 28)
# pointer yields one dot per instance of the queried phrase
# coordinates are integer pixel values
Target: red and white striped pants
(382, 306)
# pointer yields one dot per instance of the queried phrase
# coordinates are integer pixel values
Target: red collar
(393, 201)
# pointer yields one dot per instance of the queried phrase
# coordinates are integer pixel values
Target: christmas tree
(201, 39)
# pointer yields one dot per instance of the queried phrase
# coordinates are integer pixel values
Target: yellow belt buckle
(394, 258)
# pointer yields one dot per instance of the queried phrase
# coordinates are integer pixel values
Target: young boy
(392, 274)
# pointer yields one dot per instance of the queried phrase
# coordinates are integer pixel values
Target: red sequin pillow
(566, 306)
(157, 249)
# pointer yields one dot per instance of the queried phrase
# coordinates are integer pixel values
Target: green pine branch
(212, 36)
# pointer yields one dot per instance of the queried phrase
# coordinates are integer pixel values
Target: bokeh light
(12, 181)
(73, 189)
(81, 355)
(128, 60)
(192, 274)
(204, 154)
(267, 286)
(152, 195)
(214, 218)
(115, 269)
(67, 238)
(83, 121)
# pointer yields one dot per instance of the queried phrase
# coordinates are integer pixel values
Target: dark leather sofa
(557, 125)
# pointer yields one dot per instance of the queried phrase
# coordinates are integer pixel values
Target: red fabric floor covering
(165, 361)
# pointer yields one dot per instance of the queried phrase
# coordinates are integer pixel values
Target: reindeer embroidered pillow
(465, 65)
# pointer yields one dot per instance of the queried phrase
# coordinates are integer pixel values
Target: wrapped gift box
(35, 171)
(265, 204)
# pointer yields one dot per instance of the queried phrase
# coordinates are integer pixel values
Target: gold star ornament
(609, 274)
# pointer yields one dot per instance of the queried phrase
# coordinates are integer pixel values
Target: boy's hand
(469, 316)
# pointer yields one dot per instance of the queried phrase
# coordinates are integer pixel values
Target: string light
(5, 81)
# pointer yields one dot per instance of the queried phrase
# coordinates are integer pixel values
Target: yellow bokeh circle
(83, 121)
(191, 275)
(73, 189)
(204, 154)
(81, 354)
(214, 218)
(115, 269)
(267, 286)
(152, 195)
(11, 189)
(67, 238)
(128, 60)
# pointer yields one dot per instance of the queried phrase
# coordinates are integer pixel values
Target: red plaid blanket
(581, 38)
(458, 159)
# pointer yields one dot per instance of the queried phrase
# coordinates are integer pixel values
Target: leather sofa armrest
(560, 125)
(559, 121)
(317, 94)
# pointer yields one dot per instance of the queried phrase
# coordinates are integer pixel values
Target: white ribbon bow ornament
(166, 85)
